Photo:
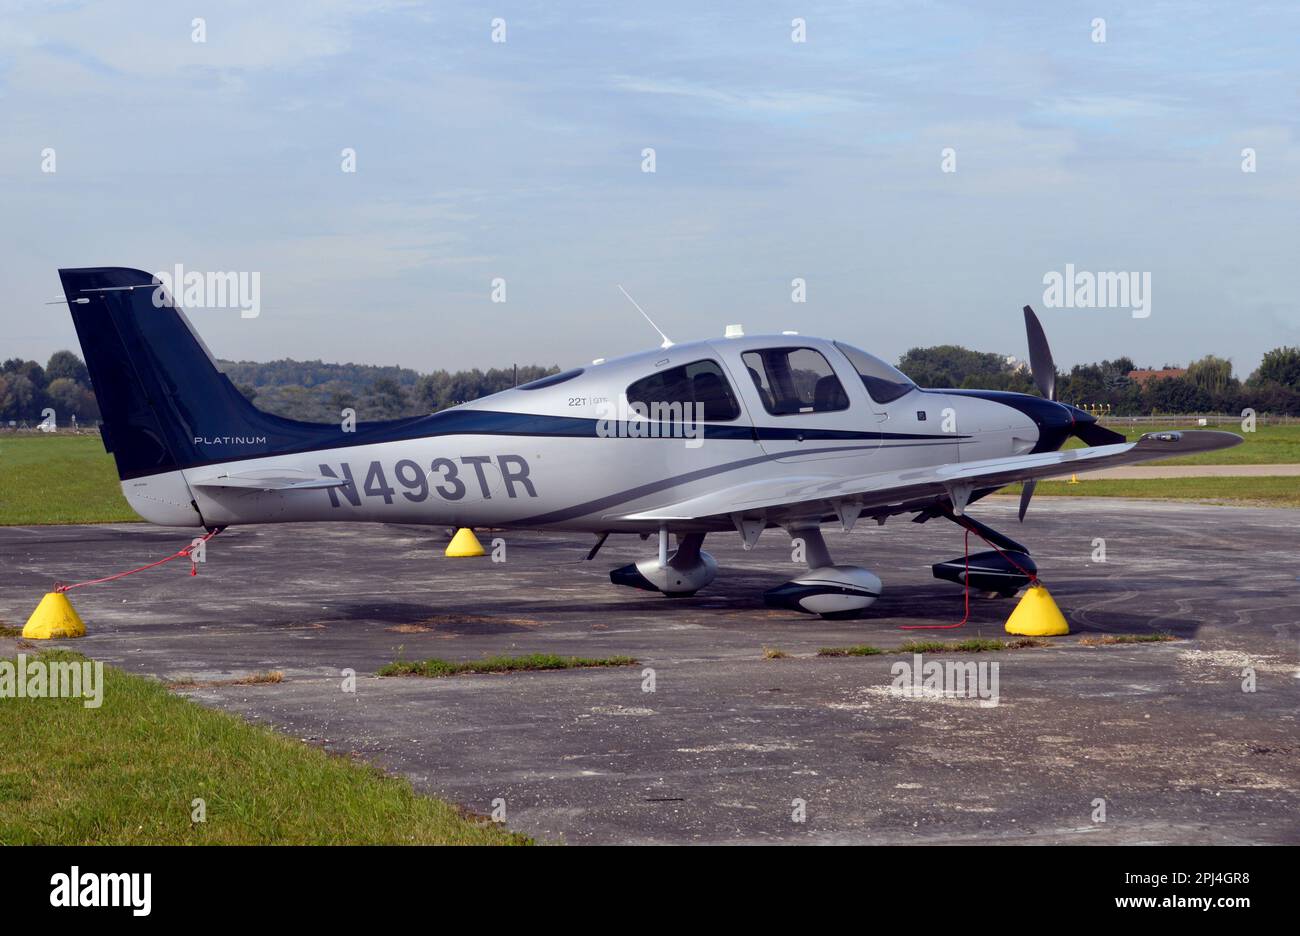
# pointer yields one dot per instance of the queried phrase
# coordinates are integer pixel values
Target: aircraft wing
(809, 496)
(269, 479)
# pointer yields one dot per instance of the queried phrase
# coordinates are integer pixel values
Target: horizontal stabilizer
(270, 479)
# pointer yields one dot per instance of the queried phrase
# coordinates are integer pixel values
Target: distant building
(1143, 377)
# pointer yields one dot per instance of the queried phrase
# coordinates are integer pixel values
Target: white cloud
(753, 100)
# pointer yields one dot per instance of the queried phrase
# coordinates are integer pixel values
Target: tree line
(315, 391)
(28, 390)
(1208, 386)
(318, 392)
(312, 391)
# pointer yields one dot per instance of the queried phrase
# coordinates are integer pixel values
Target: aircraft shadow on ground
(738, 602)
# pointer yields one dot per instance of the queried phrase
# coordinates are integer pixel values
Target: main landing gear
(833, 591)
(680, 575)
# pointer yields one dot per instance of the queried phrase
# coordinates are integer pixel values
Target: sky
(774, 160)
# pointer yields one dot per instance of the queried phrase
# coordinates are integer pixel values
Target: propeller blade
(1026, 493)
(1093, 434)
(1040, 356)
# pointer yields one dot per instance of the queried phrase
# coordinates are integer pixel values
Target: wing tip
(1190, 441)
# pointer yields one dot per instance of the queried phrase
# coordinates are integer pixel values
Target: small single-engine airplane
(736, 434)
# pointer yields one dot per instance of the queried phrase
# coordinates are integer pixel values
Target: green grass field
(1267, 445)
(64, 478)
(59, 478)
(1261, 492)
(129, 771)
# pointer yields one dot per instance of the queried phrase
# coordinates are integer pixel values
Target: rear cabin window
(701, 383)
(795, 380)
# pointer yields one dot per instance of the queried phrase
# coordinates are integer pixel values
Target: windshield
(551, 380)
(885, 384)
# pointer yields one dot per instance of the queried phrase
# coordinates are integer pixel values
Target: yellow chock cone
(463, 544)
(1074, 479)
(1037, 615)
(54, 618)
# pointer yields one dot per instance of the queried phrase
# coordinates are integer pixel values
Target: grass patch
(59, 478)
(1027, 643)
(774, 653)
(270, 676)
(9, 630)
(255, 679)
(1266, 491)
(1107, 640)
(127, 773)
(499, 664)
(971, 645)
(859, 650)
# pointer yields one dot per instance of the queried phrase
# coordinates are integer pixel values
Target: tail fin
(164, 403)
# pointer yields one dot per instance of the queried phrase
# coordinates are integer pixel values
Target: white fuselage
(528, 473)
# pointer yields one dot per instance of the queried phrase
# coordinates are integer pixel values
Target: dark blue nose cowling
(1086, 428)
(1056, 422)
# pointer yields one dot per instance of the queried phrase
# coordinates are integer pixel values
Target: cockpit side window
(795, 380)
(701, 383)
(885, 384)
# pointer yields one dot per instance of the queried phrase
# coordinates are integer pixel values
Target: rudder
(164, 403)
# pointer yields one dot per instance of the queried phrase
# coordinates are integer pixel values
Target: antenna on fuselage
(668, 342)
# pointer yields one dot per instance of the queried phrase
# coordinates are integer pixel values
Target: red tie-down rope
(194, 566)
(1033, 581)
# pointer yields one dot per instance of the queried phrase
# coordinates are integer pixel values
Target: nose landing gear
(1003, 571)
